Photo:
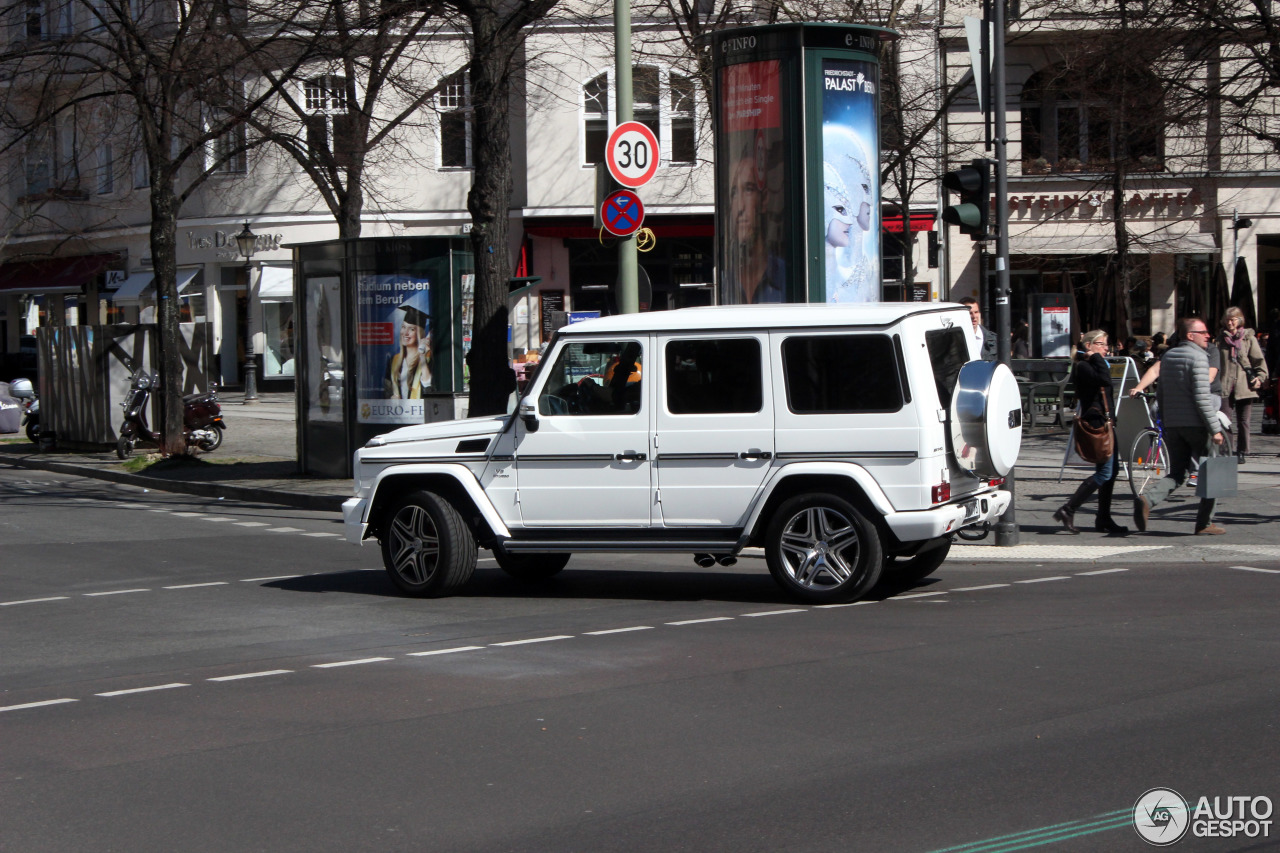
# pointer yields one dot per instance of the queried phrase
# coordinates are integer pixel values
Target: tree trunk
(164, 239)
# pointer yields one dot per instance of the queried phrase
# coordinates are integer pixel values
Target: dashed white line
(1254, 569)
(276, 578)
(445, 651)
(534, 640)
(845, 604)
(976, 588)
(252, 524)
(1044, 580)
(322, 534)
(251, 675)
(143, 689)
(218, 518)
(619, 630)
(1101, 572)
(918, 595)
(114, 592)
(196, 585)
(347, 663)
(773, 612)
(283, 530)
(37, 704)
(188, 514)
(33, 600)
(700, 621)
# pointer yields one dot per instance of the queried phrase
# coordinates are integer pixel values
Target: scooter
(23, 390)
(202, 423)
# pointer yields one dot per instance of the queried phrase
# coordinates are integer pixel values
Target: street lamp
(247, 242)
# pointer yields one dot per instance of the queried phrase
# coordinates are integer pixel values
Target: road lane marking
(445, 651)
(188, 514)
(845, 604)
(33, 600)
(773, 612)
(276, 578)
(918, 595)
(619, 630)
(976, 588)
(348, 663)
(158, 510)
(534, 640)
(143, 689)
(283, 530)
(1043, 580)
(322, 534)
(194, 585)
(252, 524)
(1054, 834)
(114, 592)
(700, 621)
(1253, 569)
(218, 518)
(37, 704)
(1101, 572)
(251, 675)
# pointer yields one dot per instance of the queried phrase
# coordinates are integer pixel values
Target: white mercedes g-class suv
(846, 440)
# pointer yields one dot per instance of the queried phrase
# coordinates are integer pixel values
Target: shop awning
(587, 232)
(919, 222)
(1098, 244)
(138, 286)
(53, 275)
(276, 284)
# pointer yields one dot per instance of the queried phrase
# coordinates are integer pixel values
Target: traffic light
(973, 211)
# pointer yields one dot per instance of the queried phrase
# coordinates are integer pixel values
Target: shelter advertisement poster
(754, 240)
(393, 344)
(850, 180)
(1055, 331)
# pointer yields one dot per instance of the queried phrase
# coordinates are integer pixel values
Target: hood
(469, 427)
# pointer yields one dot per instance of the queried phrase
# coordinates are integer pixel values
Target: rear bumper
(353, 514)
(932, 523)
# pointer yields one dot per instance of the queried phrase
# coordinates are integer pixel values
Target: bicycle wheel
(1148, 461)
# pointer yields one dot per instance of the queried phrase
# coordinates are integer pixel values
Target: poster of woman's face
(393, 349)
(850, 181)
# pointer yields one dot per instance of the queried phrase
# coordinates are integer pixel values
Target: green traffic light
(967, 216)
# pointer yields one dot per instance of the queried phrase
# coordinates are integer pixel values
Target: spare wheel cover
(986, 419)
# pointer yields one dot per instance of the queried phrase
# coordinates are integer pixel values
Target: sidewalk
(258, 462)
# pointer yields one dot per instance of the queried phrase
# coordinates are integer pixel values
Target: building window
(106, 169)
(329, 124)
(454, 104)
(665, 102)
(1066, 128)
(141, 171)
(51, 160)
(228, 152)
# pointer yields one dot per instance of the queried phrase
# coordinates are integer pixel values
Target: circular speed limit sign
(632, 154)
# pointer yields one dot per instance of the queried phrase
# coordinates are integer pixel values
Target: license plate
(971, 511)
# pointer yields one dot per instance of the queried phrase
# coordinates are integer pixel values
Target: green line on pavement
(1046, 835)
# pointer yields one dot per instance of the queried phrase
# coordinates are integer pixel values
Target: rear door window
(948, 352)
(838, 374)
(713, 376)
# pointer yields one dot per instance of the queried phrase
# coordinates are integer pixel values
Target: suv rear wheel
(426, 547)
(820, 548)
(531, 567)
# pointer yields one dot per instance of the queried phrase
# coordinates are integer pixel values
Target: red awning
(586, 232)
(53, 275)
(919, 222)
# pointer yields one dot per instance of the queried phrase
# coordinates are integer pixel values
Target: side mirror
(529, 414)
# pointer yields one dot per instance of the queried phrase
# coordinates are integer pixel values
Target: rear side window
(835, 374)
(948, 352)
(717, 376)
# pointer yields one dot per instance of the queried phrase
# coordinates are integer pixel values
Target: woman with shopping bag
(1095, 433)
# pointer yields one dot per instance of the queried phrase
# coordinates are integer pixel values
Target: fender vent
(472, 445)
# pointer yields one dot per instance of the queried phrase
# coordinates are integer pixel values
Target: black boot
(1067, 513)
(1103, 522)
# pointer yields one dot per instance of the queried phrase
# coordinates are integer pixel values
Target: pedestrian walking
(1190, 421)
(1092, 380)
(1243, 370)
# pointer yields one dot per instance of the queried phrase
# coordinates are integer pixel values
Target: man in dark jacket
(986, 339)
(1189, 420)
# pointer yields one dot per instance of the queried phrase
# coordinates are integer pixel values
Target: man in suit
(986, 339)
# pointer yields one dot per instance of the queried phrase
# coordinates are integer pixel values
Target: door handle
(630, 457)
(755, 454)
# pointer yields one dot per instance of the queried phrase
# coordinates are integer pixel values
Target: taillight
(996, 481)
(942, 492)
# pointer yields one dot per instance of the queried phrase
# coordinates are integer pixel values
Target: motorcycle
(202, 423)
(24, 391)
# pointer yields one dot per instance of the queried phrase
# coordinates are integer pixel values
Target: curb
(296, 500)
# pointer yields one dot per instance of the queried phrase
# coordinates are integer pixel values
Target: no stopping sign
(622, 213)
(632, 154)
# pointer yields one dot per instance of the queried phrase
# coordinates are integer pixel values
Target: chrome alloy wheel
(820, 547)
(415, 544)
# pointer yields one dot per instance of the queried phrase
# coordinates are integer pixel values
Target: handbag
(1095, 444)
(1217, 476)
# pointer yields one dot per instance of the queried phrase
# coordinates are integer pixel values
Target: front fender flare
(461, 474)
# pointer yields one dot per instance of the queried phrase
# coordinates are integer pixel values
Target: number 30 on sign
(632, 154)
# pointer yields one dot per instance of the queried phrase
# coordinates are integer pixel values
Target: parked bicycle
(1148, 458)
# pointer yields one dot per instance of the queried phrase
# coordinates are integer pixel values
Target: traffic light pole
(1007, 526)
(628, 265)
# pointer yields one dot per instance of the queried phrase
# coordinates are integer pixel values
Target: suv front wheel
(820, 548)
(426, 546)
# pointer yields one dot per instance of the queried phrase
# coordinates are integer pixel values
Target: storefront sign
(1152, 200)
(223, 243)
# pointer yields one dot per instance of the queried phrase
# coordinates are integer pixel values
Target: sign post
(628, 289)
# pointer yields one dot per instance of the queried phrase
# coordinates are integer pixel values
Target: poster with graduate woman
(393, 340)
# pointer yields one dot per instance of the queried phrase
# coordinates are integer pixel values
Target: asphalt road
(181, 674)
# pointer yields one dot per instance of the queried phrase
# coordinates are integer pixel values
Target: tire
(531, 567)
(1148, 461)
(911, 570)
(427, 548)
(33, 431)
(211, 444)
(822, 549)
(124, 447)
